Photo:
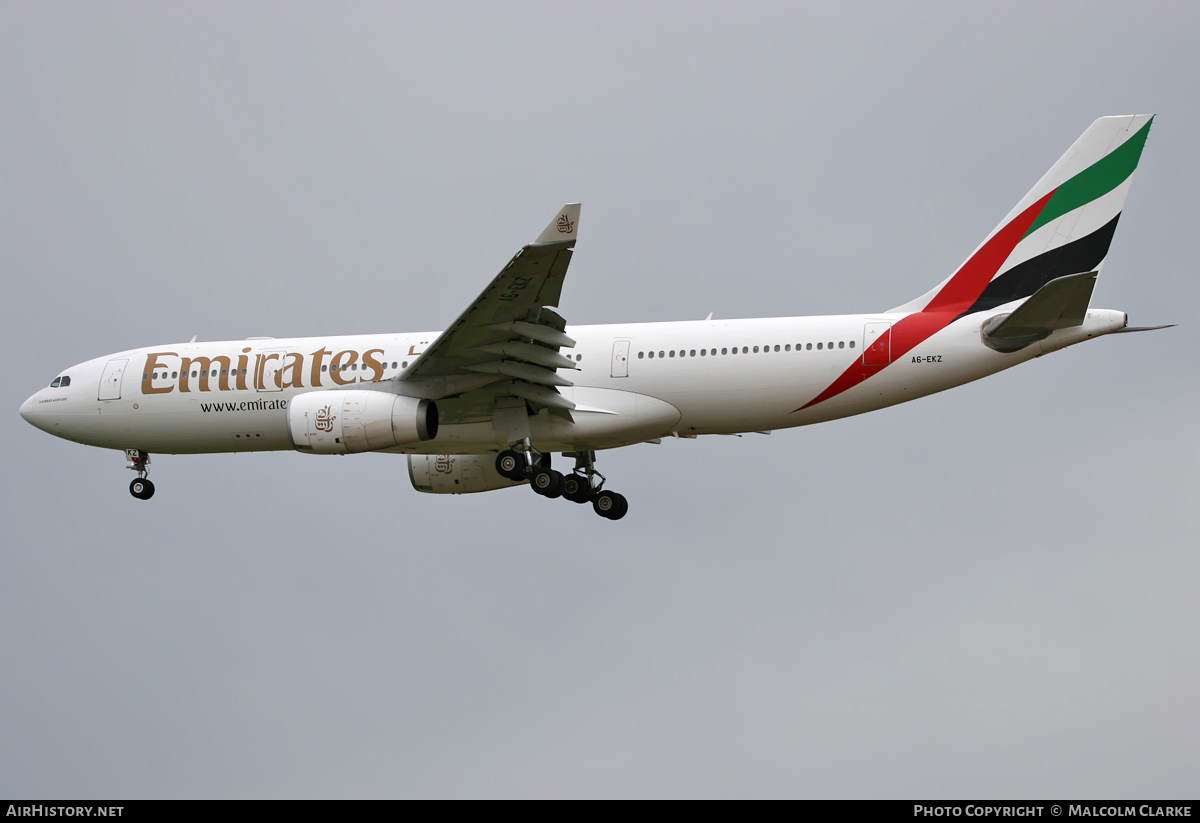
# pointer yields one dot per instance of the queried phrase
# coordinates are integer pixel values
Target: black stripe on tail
(1024, 279)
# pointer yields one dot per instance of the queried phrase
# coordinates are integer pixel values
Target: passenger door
(110, 380)
(877, 344)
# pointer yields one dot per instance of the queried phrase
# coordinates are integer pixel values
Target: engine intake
(352, 421)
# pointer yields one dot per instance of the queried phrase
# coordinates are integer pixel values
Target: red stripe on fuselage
(955, 297)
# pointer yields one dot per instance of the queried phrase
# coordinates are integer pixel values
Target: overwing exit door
(272, 368)
(620, 359)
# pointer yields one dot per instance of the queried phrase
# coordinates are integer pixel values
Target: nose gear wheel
(141, 488)
(137, 460)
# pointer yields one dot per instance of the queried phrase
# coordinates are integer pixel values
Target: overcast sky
(989, 592)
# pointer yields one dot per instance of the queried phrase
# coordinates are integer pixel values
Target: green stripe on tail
(1096, 180)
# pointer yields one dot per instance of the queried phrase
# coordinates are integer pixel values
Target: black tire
(546, 482)
(575, 489)
(511, 465)
(605, 503)
(141, 488)
(622, 508)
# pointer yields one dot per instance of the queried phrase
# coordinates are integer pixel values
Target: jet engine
(346, 422)
(456, 473)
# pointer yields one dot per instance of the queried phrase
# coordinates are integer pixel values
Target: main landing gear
(141, 488)
(583, 485)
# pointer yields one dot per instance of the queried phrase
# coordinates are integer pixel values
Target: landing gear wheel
(546, 482)
(141, 488)
(576, 489)
(511, 464)
(610, 504)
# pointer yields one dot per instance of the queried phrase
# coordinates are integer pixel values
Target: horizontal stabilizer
(1060, 304)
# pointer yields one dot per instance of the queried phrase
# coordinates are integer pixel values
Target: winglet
(1130, 329)
(565, 226)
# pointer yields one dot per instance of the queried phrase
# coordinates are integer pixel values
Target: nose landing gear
(137, 460)
(583, 485)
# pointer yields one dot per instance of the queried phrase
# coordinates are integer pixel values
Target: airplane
(483, 404)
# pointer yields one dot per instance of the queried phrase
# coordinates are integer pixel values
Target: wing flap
(539, 355)
(546, 397)
(523, 371)
(538, 331)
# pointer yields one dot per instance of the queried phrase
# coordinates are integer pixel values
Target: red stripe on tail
(956, 296)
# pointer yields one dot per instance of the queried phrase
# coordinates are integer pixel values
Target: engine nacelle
(351, 421)
(456, 473)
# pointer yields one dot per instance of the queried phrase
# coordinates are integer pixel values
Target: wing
(509, 338)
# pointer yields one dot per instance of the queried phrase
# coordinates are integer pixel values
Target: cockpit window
(66, 381)
(56, 382)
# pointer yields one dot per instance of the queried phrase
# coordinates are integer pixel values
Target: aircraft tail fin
(1063, 226)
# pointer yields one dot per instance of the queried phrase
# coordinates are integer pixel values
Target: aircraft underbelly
(602, 419)
(176, 426)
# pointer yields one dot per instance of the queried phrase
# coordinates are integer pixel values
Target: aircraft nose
(33, 415)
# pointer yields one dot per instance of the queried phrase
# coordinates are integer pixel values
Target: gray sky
(989, 592)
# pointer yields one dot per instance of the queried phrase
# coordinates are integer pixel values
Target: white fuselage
(232, 396)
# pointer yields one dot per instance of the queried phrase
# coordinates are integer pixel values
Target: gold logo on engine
(325, 419)
(443, 464)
